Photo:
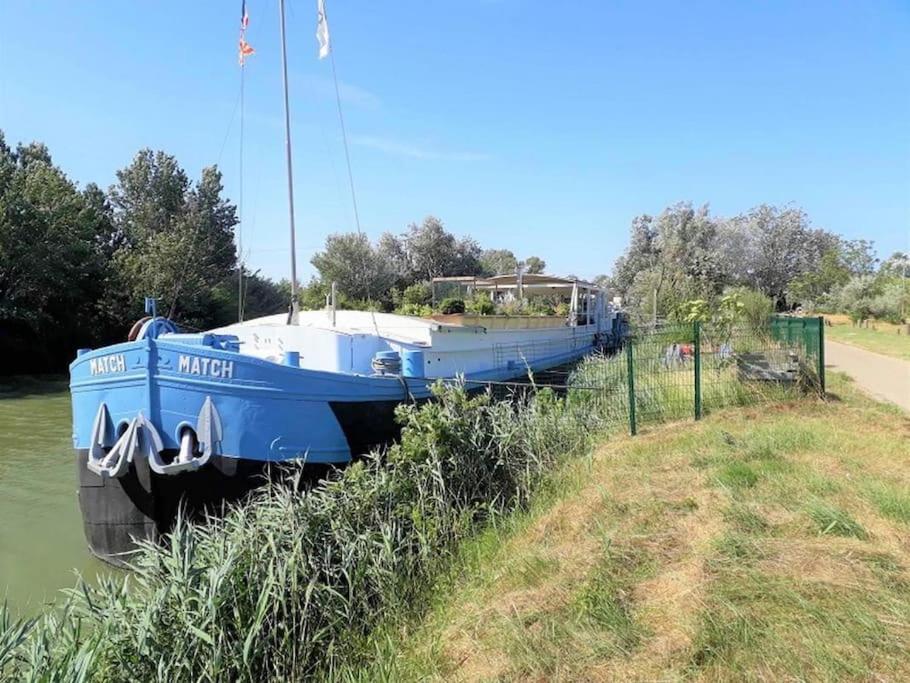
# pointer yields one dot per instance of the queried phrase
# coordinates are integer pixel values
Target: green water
(41, 540)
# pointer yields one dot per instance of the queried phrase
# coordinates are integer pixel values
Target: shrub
(756, 309)
(481, 305)
(416, 310)
(418, 294)
(857, 295)
(539, 307)
(451, 305)
(893, 304)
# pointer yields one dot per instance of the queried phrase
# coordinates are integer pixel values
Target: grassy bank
(761, 544)
(881, 337)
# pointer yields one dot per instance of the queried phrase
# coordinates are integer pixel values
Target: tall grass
(291, 585)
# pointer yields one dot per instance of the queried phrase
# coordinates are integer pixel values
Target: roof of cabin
(511, 281)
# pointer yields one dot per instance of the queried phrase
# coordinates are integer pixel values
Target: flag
(244, 49)
(322, 29)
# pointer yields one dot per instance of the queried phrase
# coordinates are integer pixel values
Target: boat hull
(142, 505)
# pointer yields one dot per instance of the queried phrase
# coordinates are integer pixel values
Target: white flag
(322, 29)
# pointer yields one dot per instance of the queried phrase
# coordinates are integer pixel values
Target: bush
(893, 304)
(481, 305)
(452, 305)
(539, 307)
(856, 297)
(756, 309)
(418, 294)
(416, 310)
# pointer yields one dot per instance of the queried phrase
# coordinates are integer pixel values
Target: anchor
(141, 437)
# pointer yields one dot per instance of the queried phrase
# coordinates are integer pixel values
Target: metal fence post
(630, 370)
(821, 355)
(697, 334)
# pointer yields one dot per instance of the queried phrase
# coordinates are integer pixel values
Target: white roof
(510, 281)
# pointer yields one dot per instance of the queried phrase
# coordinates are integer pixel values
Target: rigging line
(227, 133)
(178, 285)
(347, 159)
(344, 140)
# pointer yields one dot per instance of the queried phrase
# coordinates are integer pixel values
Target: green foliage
(815, 287)
(893, 301)
(498, 262)
(415, 299)
(55, 242)
(262, 297)
(451, 305)
(432, 251)
(288, 585)
(834, 521)
(756, 308)
(686, 254)
(856, 297)
(351, 262)
(535, 265)
(721, 314)
(480, 304)
(178, 239)
(416, 310)
(538, 306)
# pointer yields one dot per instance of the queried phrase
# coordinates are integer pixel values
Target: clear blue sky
(539, 126)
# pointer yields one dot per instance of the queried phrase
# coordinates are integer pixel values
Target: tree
(817, 288)
(858, 256)
(897, 265)
(177, 239)
(780, 246)
(497, 262)
(432, 251)
(535, 265)
(391, 251)
(857, 296)
(262, 296)
(350, 261)
(670, 259)
(52, 265)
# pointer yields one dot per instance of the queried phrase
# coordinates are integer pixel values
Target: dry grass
(881, 337)
(759, 544)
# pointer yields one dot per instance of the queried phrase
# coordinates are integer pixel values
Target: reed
(289, 585)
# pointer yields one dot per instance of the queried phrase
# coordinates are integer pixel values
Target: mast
(240, 220)
(287, 137)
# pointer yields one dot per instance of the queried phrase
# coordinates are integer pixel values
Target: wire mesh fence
(684, 371)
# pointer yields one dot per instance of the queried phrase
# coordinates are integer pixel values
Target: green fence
(684, 371)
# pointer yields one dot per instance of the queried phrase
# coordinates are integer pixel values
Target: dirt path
(881, 376)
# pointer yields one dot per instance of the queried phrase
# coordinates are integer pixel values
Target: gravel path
(882, 376)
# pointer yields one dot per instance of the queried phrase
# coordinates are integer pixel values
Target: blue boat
(170, 418)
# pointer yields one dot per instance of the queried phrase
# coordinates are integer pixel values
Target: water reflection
(41, 540)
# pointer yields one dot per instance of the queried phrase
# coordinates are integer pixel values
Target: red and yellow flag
(244, 49)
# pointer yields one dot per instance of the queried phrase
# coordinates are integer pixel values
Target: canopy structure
(513, 285)
(583, 297)
(530, 284)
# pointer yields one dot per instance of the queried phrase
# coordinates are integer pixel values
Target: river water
(41, 540)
